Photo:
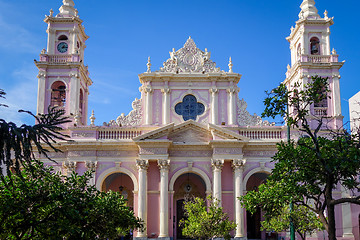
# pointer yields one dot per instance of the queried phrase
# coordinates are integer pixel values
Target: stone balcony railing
(89, 133)
(317, 59)
(59, 59)
(262, 134)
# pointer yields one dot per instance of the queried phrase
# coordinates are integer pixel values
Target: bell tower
(63, 79)
(311, 56)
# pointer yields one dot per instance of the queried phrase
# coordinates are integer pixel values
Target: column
(148, 111)
(51, 40)
(73, 100)
(346, 215)
(73, 42)
(238, 166)
(336, 100)
(217, 165)
(164, 198)
(166, 105)
(41, 93)
(142, 166)
(214, 104)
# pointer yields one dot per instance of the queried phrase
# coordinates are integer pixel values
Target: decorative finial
(334, 52)
(326, 14)
(288, 67)
(308, 10)
(43, 51)
(230, 65)
(292, 29)
(76, 13)
(148, 65)
(92, 118)
(51, 13)
(67, 9)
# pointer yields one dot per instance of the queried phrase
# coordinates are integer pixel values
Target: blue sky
(124, 33)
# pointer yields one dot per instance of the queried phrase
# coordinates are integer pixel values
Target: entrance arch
(253, 220)
(119, 180)
(183, 185)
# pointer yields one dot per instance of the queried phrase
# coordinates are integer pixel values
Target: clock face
(62, 47)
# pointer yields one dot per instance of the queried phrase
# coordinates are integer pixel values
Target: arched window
(58, 94)
(189, 108)
(315, 46)
(63, 37)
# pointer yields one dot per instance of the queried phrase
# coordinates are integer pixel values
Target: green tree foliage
(17, 143)
(44, 205)
(307, 171)
(206, 222)
(273, 197)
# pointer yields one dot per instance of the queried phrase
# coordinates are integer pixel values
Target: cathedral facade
(189, 134)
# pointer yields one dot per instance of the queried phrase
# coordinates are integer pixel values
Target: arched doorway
(186, 186)
(122, 183)
(253, 220)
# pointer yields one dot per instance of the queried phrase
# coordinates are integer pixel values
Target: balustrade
(261, 134)
(118, 134)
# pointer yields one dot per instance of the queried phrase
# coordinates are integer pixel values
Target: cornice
(328, 22)
(186, 77)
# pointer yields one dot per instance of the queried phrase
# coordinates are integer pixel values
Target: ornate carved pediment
(244, 118)
(189, 59)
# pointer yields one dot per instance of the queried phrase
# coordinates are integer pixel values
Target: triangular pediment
(191, 131)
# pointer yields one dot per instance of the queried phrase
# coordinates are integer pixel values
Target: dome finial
(67, 9)
(308, 10)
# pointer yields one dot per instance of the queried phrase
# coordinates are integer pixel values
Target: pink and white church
(189, 134)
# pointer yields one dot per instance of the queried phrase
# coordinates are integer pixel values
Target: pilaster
(91, 166)
(148, 96)
(214, 104)
(166, 105)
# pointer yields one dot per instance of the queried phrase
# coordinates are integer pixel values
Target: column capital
(217, 164)
(91, 165)
(142, 164)
(70, 166)
(213, 90)
(164, 164)
(165, 90)
(238, 163)
(148, 89)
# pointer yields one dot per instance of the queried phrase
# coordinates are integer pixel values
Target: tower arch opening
(58, 94)
(314, 46)
(62, 38)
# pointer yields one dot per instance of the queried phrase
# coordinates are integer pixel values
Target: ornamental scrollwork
(244, 118)
(90, 165)
(70, 166)
(134, 118)
(189, 59)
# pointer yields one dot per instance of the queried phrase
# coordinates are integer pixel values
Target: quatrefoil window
(189, 108)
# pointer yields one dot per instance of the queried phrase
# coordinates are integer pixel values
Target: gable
(190, 135)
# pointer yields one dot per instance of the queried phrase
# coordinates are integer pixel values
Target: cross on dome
(308, 10)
